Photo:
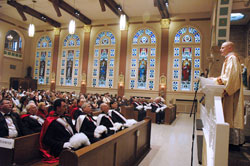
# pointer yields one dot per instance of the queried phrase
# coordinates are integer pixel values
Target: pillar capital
(57, 31)
(165, 23)
(87, 28)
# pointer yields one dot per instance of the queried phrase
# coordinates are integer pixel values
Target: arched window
(143, 59)
(43, 60)
(13, 45)
(70, 61)
(187, 59)
(104, 60)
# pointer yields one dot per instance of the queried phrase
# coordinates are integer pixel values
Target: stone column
(164, 57)
(55, 59)
(85, 55)
(122, 62)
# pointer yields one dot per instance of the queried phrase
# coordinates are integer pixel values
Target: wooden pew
(129, 113)
(127, 147)
(152, 115)
(26, 150)
(170, 115)
(130, 146)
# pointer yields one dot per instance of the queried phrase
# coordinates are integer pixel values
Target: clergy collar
(229, 54)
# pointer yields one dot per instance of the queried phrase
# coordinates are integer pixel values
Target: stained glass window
(177, 38)
(133, 63)
(43, 60)
(175, 85)
(151, 73)
(70, 61)
(197, 51)
(132, 84)
(187, 39)
(94, 82)
(133, 73)
(187, 58)
(134, 52)
(110, 83)
(151, 84)
(152, 52)
(176, 51)
(197, 63)
(95, 72)
(176, 63)
(111, 72)
(104, 60)
(144, 40)
(48, 62)
(152, 62)
(176, 74)
(196, 74)
(96, 52)
(143, 60)
(196, 86)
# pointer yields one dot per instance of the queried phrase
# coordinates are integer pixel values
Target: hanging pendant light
(31, 30)
(72, 27)
(122, 22)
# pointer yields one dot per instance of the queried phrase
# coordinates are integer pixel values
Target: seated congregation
(66, 120)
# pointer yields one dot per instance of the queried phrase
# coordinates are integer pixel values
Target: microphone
(202, 98)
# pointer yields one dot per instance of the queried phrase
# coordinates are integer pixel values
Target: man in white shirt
(10, 123)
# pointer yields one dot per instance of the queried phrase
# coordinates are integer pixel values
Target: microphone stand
(193, 111)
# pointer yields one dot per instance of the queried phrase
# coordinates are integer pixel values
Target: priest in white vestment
(233, 102)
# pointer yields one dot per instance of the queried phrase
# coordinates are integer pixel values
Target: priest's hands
(219, 81)
(225, 94)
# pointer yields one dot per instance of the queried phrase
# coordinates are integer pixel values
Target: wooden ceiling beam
(56, 7)
(72, 11)
(161, 4)
(102, 5)
(34, 13)
(20, 11)
(116, 8)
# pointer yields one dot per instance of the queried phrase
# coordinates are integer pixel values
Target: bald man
(233, 105)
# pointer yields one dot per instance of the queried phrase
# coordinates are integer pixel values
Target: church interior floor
(171, 144)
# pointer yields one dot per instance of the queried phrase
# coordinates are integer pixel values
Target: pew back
(127, 147)
(26, 149)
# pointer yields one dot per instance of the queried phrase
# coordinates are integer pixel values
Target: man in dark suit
(138, 106)
(57, 131)
(105, 120)
(10, 123)
(31, 122)
(159, 109)
(87, 125)
(77, 111)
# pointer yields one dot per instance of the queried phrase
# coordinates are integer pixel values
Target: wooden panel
(170, 115)
(152, 115)
(184, 106)
(118, 149)
(142, 141)
(6, 156)
(126, 151)
(128, 112)
(27, 148)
